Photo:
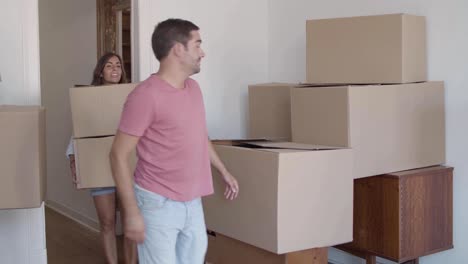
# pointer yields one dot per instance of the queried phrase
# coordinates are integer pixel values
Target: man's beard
(196, 69)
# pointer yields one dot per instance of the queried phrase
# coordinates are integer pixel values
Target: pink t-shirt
(173, 155)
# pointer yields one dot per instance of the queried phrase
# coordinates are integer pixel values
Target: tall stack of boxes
(95, 116)
(22, 156)
(395, 122)
(367, 92)
(398, 122)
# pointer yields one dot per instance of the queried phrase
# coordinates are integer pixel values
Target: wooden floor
(71, 243)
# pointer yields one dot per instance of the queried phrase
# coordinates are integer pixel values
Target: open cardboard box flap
(270, 145)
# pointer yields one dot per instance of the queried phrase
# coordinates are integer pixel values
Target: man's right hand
(134, 228)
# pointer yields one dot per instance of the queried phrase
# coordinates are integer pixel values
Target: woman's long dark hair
(98, 79)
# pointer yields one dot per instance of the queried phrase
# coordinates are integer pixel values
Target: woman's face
(112, 71)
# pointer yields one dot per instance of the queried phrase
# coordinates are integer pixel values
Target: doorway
(71, 41)
(114, 30)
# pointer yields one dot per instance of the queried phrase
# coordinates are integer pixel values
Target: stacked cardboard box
(366, 90)
(402, 118)
(22, 157)
(390, 127)
(368, 49)
(96, 113)
(270, 111)
(398, 125)
(284, 187)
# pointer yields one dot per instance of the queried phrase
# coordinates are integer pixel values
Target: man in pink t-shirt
(164, 119)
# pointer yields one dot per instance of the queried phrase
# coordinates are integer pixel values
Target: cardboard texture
(289, 199)
(366, 50)
(270, 111)
(22, 157)
(389, 127)
(92, 162)
(96, 110)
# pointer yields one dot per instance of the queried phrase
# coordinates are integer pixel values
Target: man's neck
(174, 77)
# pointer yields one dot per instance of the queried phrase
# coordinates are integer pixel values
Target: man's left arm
(232, 187)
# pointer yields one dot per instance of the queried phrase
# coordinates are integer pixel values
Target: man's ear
(178, 49)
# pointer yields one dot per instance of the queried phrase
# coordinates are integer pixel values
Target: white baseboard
(74, 215)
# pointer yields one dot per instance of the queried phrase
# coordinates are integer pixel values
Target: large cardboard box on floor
(389, 127)
(292, 196)
(22, 157)
(92, 162)
(96, 110)
(368, 49)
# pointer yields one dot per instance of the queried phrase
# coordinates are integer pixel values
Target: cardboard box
(92, 162)
(270, 111)
(389, 127)
(22, 157)
(292, 197)
(96, 110)
(225, 250)
(366, 50)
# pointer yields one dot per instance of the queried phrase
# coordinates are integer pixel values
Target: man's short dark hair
(167, 33)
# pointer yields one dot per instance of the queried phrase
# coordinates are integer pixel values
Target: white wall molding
(20, 53)
(22, 231)
(134, 33)
(144, 11)
(29, 14)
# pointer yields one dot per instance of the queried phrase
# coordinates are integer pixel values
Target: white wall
(447, 60)
(22, 231)
(249, 42)
(68, 56)
(234, 35)
(19, 57)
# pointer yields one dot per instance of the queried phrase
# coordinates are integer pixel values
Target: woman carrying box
(108, 70)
